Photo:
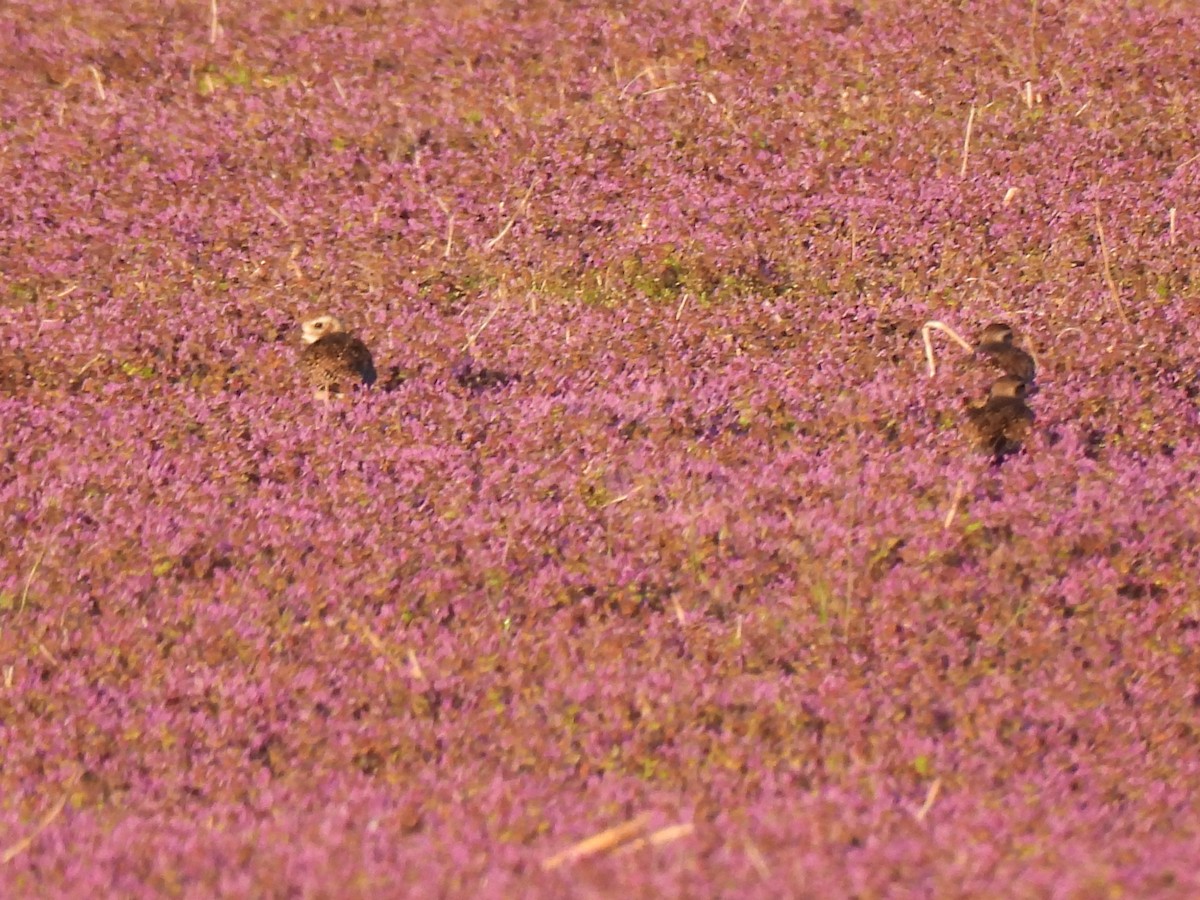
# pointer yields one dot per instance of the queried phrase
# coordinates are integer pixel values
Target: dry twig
(98, 81)
(16, 849)
(930, 797)
(484, 324)
(521, 209)
(953, 511)
(966, 151)
(658, 838)
(935, 325)
(1108, 276)
(377, 644)
(597, 843)
(29, 579)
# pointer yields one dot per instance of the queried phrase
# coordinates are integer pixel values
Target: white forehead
(319, 327)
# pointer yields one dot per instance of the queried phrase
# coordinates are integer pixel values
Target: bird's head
(315, 329)
(996, 333)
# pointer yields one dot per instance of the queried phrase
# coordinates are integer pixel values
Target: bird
(999, 424)
(333, 358)
(996, 343)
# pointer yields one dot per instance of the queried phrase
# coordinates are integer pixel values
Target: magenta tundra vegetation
(654, 562)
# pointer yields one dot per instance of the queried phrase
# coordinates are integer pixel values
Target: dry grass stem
(757, 859)
(597, 843)
(680, 615)
(632, 81)
(484, 324)
(214, 23)
(449, 226)
(278, 215)
(376, 643)
(930, 798)
(29, 579)
(87, 365)
(99, 82)
(521, 209)
(45, 651)
(615, 500)
(658, 838)
(661, 90)
(935, 325)
(966, 151)
(1187, 162)
(954, 502)
(1171, 229)
(16, 849)
(1108, 276)
(682, 303)
(414, 667)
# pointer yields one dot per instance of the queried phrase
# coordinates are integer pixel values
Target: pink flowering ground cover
(655, 529)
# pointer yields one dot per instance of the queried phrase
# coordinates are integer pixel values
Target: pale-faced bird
(333, 359)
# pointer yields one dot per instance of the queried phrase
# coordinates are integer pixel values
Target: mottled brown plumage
(999, 424)
(332, 358)
(996, 344)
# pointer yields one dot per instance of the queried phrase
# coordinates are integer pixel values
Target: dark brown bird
(996, 343)
(332, 358)
(999, 424)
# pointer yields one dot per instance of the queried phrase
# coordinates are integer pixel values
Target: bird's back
(1000, 424)
(337, 358)
(1011, 360)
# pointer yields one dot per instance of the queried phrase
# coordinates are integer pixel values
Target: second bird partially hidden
(999, 424)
